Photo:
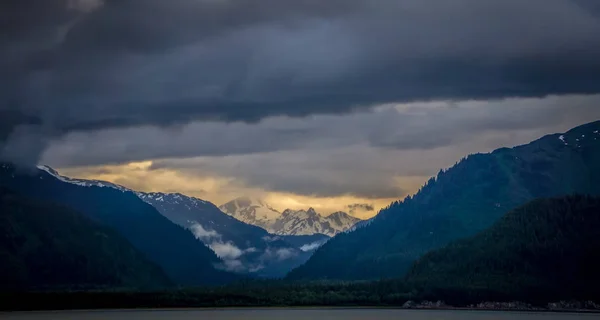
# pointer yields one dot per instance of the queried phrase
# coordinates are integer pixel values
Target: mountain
(251, 211)
(459, 202)
(244, 248)
(185, 260)
(49, 246)
(309, 222)
(290, 222)
(548, 249)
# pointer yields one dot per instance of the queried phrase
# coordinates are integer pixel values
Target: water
(294, 314)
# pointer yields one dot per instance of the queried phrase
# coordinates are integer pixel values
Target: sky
(337, 105)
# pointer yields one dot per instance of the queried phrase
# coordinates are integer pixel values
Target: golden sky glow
(140, 176)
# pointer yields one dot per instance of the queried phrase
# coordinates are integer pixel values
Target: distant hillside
(186, 260)
(460, 202)
(48, 246)
(548, 250)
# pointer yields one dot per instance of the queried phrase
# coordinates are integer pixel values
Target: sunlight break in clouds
(328, 162)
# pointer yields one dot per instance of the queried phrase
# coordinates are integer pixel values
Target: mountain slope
(44, 245)
(307, 222)
(185, 260)
(460, 202)
(290, 222)
(251, 211)
(244, 248)
(548, 249)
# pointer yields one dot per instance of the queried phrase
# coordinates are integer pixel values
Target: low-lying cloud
(311, 246)
(235, 258)
(226, 251)
(203, 234)
(279, 254)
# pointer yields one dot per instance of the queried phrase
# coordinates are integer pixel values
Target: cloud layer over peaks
(93, 64)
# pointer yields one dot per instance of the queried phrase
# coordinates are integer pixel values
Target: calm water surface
(294, 314)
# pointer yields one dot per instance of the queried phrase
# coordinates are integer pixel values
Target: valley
(483, 230)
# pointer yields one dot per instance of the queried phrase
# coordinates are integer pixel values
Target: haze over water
(296, 314)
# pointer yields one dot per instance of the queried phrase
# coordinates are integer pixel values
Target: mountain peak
(49, 169)
(251, 210)
(311, 212)
(339, 214)
(82, 182)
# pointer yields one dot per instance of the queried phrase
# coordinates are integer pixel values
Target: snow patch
(81, 182)
(562, 138)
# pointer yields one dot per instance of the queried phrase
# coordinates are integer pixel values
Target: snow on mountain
(81, 182)
(251, 211)
(244, 248)
(237, 230)
(342, 221)
(301, 222)
(360, 224)
(290, 222)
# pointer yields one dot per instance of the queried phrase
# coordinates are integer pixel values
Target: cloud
(360, 206)
(87, 65)
(271, 238)
(311, 246)
(416, 126)
(226, 251)
(370, 157)
(203, 234)
(234, 258)
(229, 253)
(284, 254)
(278, 254)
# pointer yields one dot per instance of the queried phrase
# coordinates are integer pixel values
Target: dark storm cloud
(418, 126)
(90, 64)
(360, 154)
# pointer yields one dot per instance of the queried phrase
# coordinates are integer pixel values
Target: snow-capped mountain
(185, 260)
(360, 224)
(82, 182)
(243, 247)
(342, 221)
(306, 222)
(290, 222)
(251, 211)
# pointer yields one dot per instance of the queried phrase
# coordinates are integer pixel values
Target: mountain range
(504, 224)
(458, 203)
(289, 222)
(242, 247)
(184, 259)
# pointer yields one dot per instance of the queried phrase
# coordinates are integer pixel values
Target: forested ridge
(542, 252)
(184, 259)
(458, 203)
(45, 246)
(546, 250)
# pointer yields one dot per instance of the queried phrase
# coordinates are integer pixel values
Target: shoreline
(241, 308)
